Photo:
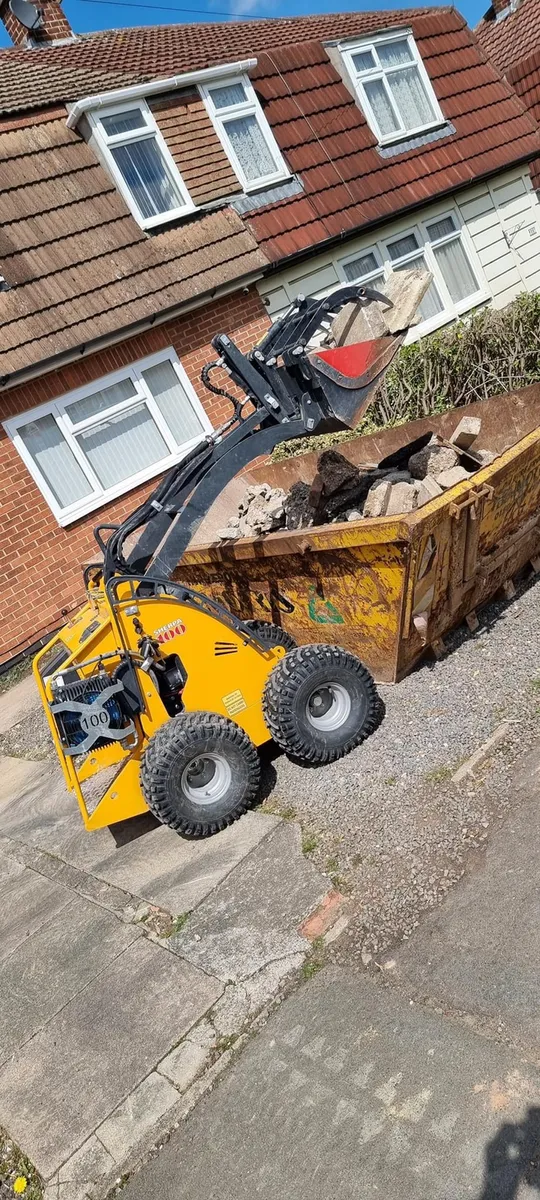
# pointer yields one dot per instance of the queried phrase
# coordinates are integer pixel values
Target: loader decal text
(167, 632)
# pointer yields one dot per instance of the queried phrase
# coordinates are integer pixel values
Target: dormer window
(393, 87)
(244, 133)
(141, 164)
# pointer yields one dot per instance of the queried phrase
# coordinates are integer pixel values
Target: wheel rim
(206, 778)
(328, 707)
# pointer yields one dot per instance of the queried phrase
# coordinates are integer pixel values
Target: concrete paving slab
(158, 866)
(27, 903)
(128, 1124)
(480, 951)
(183, 1064)
(252, 919)
(17, 777)
(54, 963)
(351, 1092)
(75, 1071)
(78, 1175)
(18, 702)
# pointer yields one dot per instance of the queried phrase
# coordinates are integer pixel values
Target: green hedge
(487, 353)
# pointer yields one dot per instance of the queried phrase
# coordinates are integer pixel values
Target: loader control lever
(287, 391)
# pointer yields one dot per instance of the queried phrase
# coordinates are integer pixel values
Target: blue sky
(88, 15)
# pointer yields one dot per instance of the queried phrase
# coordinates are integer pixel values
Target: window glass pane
(402, 245)
(123, 445)
(363, 265)
(100, 401)
(231, 93)
(432, 304)
(249, 145)
(457, 272)
(147, 177)
(364, 60)
(384, 113)
(409, 95)
(56, 461)
(122, 122)
(172, 401)
(393, 53)
(441, 229)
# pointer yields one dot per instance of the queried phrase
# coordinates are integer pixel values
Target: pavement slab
(139, 856)
(18, 702)
(18, 777)
(27, 903)
(55, 962)
(480, 951)
(352, 1092)
(252, 919)
(70, 1077)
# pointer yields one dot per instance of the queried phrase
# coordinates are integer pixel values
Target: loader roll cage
(289, 391)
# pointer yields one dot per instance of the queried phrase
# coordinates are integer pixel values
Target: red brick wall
(40, 563)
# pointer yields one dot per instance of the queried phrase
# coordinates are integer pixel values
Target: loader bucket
(349, 376)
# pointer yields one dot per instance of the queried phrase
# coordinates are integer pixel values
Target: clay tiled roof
(79, 265)
(325, 138)
(514, 37)
(118, 57)
(525, 79)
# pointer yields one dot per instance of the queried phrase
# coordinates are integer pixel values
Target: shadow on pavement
(512, 1158)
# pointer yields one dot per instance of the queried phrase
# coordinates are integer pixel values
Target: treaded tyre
(199, 773)
(320, 702)
(273, 634)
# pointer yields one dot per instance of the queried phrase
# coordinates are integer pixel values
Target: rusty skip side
(388, 589)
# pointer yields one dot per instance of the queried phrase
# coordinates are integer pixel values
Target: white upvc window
(439, 244)
(94, 444)
(141, 163)
(244, 133)
(393, 87)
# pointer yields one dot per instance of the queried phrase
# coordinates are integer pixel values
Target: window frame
(106, 142)
(66, 515)
(379, 72)
(250, 107)
(451, 309)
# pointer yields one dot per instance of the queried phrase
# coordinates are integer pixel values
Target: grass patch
(310, 841)
(391, 781)
(226, 1042)
(275, 810)
(439, 775)
(176, 925)
(332, 865)
(14, 675)
(16, 1168)
(535, 684)
(315, 959)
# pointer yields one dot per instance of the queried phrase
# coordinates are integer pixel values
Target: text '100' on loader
(156, 696)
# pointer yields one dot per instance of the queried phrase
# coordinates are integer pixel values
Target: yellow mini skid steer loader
(158, 697)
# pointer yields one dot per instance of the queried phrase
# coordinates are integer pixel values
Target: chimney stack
(53, 28)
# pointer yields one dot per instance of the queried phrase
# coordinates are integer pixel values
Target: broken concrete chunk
(229, 534)
(356, 323)
(298, 511)
(432, 460)
(485, 457)
(377, 499)
(428, 489)
(448, 479)
(465, 433)
(353, 515)
(403, 499)
(399, 477)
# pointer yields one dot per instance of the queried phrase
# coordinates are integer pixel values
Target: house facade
(509, 33)
(164, 184)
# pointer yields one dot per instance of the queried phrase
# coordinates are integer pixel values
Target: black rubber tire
(168, 753)
(286, 696)
(273, 634)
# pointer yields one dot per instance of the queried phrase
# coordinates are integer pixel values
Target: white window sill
(445, 318)
(261, 185)
(393, 139)
(92, 503)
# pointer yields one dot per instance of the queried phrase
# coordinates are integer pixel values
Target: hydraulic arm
(288, 392)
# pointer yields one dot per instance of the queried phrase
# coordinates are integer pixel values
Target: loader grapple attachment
(348, 376)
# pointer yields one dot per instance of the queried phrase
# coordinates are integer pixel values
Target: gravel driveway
(387, 823)
(390, 825)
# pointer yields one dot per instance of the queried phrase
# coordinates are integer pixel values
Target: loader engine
(93, 712)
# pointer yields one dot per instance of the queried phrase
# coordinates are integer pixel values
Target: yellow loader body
(225, 673)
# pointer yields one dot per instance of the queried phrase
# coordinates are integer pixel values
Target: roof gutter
(140, 90)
